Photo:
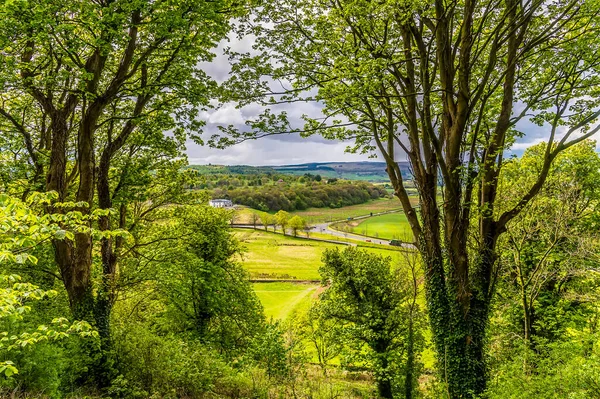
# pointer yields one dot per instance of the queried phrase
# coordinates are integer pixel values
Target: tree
(323, 333)
(282, 218)
(23, 229)
(254, 218)
(373, 302)
(552, 241)
(88, 91)
(267, 220)
(446, 84)
(297, 223)
(194, 267)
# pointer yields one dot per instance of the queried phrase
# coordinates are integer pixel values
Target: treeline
(298, 197)
(235, 180)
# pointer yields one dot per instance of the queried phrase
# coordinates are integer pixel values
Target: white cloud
(227, 115)
(523, 145)
(270, 151)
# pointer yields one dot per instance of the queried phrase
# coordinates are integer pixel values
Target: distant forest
(275, 191)
(362, 171)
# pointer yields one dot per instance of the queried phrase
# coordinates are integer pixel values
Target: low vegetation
(119, 280)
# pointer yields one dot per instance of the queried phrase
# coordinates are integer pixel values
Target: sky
(291, 149)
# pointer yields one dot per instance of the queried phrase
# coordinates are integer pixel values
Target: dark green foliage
(297, 197)
(196, 270)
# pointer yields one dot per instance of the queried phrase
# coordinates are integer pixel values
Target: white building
(220, 203)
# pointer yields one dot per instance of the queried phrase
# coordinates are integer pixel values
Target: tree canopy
(448, 86)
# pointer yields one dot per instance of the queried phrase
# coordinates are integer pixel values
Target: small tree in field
(254, 218)
(323, 334)
(297, 223)
(282, 218)
(267, 220)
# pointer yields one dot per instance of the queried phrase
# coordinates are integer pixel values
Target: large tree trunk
(458, 305)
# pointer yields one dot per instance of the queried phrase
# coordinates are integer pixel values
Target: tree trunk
(410, 360)
(458, 326)
(384, 379)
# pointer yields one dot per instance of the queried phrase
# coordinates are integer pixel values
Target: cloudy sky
(290, 149)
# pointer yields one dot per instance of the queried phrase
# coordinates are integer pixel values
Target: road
(326, 229)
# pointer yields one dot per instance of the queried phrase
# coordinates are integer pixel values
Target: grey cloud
(291, 148)
(271, 151)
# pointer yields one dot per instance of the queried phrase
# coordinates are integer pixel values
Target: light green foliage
(282, 218)
(323, 334)
(22, 229)
(548, 288)
(567, 369)
(267, 220)
(374, 304)
(297, 223)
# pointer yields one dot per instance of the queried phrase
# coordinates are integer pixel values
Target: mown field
(391, 226)
(274, 256)
(280, 299)
(277, 257)
(322, 215)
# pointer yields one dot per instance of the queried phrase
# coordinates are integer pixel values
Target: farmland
(279, 299)
(390, 226)
(274, 256)
(243, 215)
(321, 215)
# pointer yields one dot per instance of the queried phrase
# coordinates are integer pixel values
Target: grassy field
(321, 215)
(280, 299)
(391, 226)
(273, 256)
(243, 215)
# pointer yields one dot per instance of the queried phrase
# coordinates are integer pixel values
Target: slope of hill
(368, 171)
(371, 171)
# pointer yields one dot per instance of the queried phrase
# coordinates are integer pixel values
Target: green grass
(243, 215)
(389, 227)
(280, 299)
(273, 256)
(321, 215)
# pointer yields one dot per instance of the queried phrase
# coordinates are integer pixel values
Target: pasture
(322, 215)
(274, 256)
(391, 226)
(280, 299)
(243, 215)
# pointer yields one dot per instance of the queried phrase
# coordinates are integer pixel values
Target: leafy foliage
(375, 306)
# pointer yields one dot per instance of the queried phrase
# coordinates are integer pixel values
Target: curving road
(326, 228)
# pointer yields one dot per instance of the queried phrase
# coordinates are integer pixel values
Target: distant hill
(370, 171)
(366, 171)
